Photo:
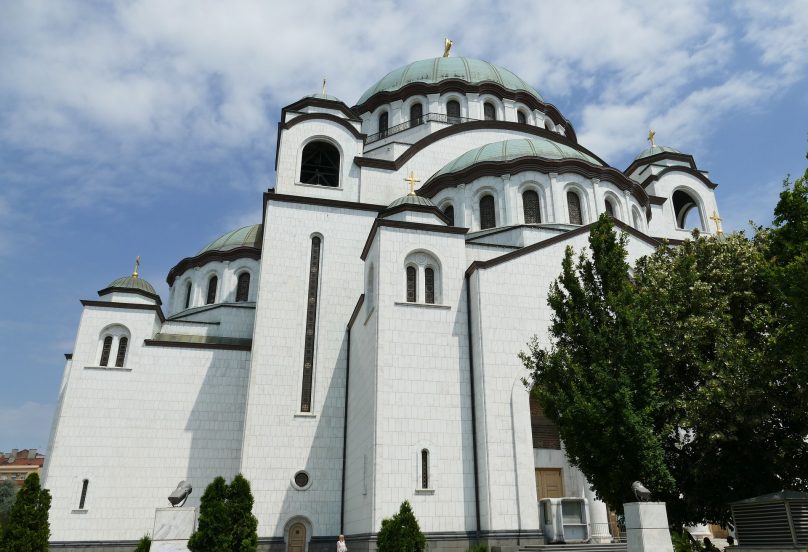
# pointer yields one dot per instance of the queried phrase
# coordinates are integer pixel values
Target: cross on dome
(412, 180)
(717, 220)
(650, 138)
(447, 45)
(137, 267)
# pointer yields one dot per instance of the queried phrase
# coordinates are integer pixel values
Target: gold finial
(323, 86)
(412, 180)
(447, 45)
(137, 267)
(651, 135)
(717, 220)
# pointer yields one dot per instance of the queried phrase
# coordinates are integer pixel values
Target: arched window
(123, 342)
(545, 432)
(187, 295)
(488, 218)
(105, 351)
(416, 114)
(424, 469)
(521, 117)
(489, 112)
(530, 204)
(449, 212)
(453, 111)
(574, 208)
(609, 208)
(311, 324)
(243, 287)
(213, 283)
(83, 499)
(384, 124)
(320, 164)
(636, 218)
(429, 285)
(686, 211)
(412, 289)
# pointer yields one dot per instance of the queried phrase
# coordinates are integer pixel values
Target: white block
(172, 524)
(647, 527)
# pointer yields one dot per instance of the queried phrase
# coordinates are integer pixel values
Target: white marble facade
(216, 385)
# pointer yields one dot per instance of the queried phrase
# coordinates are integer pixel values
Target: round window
(301, 480)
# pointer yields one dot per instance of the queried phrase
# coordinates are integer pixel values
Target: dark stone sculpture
(180, 494)
(642, 494)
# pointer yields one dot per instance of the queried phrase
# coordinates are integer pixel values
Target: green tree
(27, 527)
(8, 493)
(244, 525)
(401, 533)
(213, 532)
(599, 381)
(144, 544)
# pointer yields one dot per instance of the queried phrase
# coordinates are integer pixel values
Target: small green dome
(248, 236)
(412, 200)
(133, 282)
(509, 150)
(328, 97)
(654, 150)
(435, 70)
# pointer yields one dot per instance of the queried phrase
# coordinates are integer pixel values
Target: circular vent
(301, 480)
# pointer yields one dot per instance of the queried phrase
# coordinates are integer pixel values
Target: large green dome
(248, 236)
(508, 150)
(435, 70)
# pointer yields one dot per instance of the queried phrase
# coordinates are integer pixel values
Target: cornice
(421, 208)
(144, 293)
(659, 157)
(355, 312)
(128, 306)
(271, 195)
(321, 102)
(192, 345)
(678, 168)
(302, 118)
(243, 252)
(378, 223)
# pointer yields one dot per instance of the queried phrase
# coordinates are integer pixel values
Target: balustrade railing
(412, 123)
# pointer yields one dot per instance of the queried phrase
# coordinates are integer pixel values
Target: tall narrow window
(530, 205)
(213, 283)
(188, 295)
(609, 208)
(243, 287)
(636, 217)
(453, 111)
(574, 207)
(449, 212)
(416, 114)
(429, 285)
(488, 218)
(489, 112)
(320, 164)
(424, 469)
(412, 291)
(123, 342)
(383, 123)
(521, 117)
(311, 324)
(105, 351)
(83, 498)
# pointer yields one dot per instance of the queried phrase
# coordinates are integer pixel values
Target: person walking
(341, 546)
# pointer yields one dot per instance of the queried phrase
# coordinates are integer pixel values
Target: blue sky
(148, 127)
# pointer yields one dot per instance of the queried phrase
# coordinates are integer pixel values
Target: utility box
(772, 521)
(565, 520)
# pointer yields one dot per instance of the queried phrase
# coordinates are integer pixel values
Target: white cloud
(25, 426)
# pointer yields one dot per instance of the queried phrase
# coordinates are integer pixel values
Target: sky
(146, 127)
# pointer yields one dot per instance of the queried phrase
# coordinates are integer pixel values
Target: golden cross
(412, 180)
(137, 267)
(651, 135)
(323, 86)
(717, 220)
(447, 45)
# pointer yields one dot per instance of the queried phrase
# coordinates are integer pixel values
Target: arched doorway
(297, 538)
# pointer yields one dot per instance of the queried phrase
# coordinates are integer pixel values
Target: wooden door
(297, 538)
(549, 483)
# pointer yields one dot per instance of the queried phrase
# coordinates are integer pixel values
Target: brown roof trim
(320, 102)
(521, 164)
(463, 87)
(676, 168)
(657, 200)
(409, 226)
(324, 117)
(465, 127)
(244, 252)
(191, 345)
(670, 241)
(271, 195)
(116, 305)
(356, 310)
(422, 208)
(553, 241)
(144, 293)
(658, 157)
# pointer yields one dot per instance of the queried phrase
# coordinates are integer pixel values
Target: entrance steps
(615, 547)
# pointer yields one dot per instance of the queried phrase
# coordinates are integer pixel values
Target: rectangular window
(83, 498)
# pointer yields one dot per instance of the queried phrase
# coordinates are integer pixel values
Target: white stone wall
(134, 432)
(222, 320)
(665, 225)
(279, 440)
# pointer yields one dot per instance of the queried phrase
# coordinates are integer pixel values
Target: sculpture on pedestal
(180, 494)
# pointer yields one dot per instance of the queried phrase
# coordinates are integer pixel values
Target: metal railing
(412, 123)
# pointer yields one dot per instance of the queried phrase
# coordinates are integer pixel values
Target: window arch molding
(114, 342)
(423, 260)
(583, 199)
(499, 211)
(524, 110)
(696, 198)
(330, 141)
(203, 284)
(238, 277)
(459, 98)
(449, 204)
(636, 219)
(543, 191)
(410, 102)
(548, 124)
(617, 205)
(183, 299)
(499, 108)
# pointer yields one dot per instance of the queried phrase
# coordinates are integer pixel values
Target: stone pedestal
(172, 529)
(647, 527)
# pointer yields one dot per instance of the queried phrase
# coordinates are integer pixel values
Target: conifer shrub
(27, 527)
(226, 521)
(401, 533)
(143, 544)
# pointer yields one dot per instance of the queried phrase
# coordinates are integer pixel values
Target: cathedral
(358, 347)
